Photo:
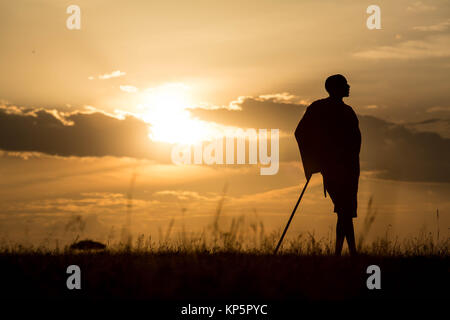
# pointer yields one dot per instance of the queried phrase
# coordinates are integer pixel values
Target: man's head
(337, 86)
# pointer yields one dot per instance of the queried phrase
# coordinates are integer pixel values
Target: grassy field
(305, 270)
(230, 263)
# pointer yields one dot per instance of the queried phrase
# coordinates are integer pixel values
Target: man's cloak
(329, 140)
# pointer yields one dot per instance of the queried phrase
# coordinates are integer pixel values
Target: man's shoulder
(319, 102)
(326, 104)
(318, 105)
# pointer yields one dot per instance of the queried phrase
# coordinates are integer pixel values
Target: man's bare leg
(340, 235)
(350, 236)
(345, 230)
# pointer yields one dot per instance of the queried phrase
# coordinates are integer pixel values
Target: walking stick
(292, 215)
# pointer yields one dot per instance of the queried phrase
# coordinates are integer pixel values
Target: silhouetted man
(329, 140)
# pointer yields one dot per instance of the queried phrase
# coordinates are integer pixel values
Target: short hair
(334, 81)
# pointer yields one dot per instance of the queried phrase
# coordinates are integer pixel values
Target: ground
(203, 276)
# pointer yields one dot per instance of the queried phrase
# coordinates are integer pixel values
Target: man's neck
(337, 99)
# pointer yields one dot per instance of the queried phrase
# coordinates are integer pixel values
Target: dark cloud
(77, 134)
(428, 121)
(402, 153)
(440, 126)
(255, 113)
(394, 151)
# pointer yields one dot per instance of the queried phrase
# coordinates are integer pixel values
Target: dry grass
(243, 237)
(228, 261)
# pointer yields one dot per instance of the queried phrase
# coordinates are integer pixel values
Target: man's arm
(305, 135)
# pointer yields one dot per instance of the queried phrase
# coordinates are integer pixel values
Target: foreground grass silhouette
(304, 270)
(229, 263)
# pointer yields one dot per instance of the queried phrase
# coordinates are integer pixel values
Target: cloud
(186, 195)
(129, 89)
(263, 112)
(440, 126)
(419, 6)
(392, 151)
(438, 109)
(92, 134)
(431, 47)
(78, 205)
(284, 97)
(401, 153)
(398, 152)
(428, 121)
(113, 74)
(442, 26)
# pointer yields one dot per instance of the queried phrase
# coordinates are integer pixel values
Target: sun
(164, 107)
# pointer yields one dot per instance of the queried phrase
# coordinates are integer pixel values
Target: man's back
(328, 136)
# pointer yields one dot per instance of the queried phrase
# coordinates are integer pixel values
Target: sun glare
(164, 107)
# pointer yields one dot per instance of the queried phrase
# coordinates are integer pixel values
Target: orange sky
(83, 110)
